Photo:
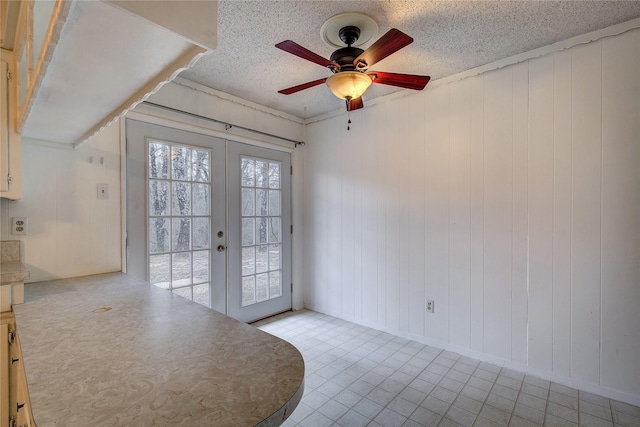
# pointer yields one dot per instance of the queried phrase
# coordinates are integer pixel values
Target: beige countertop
(13, 271)
(153, 359)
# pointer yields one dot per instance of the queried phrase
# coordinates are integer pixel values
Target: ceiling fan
(350, 66)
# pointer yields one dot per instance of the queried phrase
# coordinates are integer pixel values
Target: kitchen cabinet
(10, 150)
(15, 406)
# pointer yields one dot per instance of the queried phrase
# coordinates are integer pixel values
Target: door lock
(220, 234)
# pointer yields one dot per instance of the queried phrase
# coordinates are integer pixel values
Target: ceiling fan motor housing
(345, 57)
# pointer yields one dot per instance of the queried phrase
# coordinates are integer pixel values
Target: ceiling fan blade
(304, 53)
(355, 104)
(408, 81)
(391, 42)
(303, 86)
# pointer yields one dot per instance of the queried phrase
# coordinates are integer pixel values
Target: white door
(259, 214)
(188, 198)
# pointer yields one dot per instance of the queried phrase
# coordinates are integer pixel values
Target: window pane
(274, 257)
(181, 196)
(201, 163)
(261, 202)
(262, 287)
(181, 163)
(262, 174)
(274, 175)
(261, 230)
(159, 237)
(274, 202)
(248, 202)
(160, 270)
(262, 258)
(158, 160)
(201, 234)
(275, 284)
(274, 230)
(248, 290)
(183, 292)
(201, 294)
(247, 231)
(248, 260)
(181, 234)
(158, 198)
(181, 269)
(201, 200)
(248, 172)
(201, 266)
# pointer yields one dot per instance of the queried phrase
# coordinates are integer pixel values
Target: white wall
(71, 233)
(511, 198)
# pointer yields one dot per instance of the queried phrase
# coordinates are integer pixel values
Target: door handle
(221, 248)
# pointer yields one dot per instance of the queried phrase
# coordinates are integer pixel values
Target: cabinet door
(4, 126)
(10, 155)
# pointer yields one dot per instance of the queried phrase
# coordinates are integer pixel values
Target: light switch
(19, 225)
(103, 191)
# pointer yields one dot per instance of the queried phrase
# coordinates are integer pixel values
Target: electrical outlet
(18, 225)
(428, 306)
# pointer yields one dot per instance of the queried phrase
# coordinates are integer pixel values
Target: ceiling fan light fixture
(349, 84)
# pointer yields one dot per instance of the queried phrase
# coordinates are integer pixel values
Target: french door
(206, 219)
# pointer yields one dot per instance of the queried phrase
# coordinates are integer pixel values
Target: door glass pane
(262, 258)
(274, 202)
(201, 266)
(181, 163)
(248, 202)
(261, 230)
(201, 201)
(160, 270)
(202, 294)
(201, 234)
(261, 202)
(248, 290)
(247, 231)
(262, 174)
(248, 261)
(274, 175)
(274, 257)
(262, 287)
(181, 269)
(274, 230)
(181, 235)
(201, 164)
(179, 200)
(159, 235)
(183, 292)
(275, 284)
(247, 171)
(158, 198)
(158, 160)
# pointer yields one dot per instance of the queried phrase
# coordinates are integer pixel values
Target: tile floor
(357, 376)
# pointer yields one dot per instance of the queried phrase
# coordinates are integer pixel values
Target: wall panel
(437, 212)
(541, 211)
(621, 212)
(512, 199)
(498, 215)
(416, 210)
(460, 216)
(562, 167)
(586, 213)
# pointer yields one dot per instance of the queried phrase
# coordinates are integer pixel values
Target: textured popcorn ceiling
(449, 37)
